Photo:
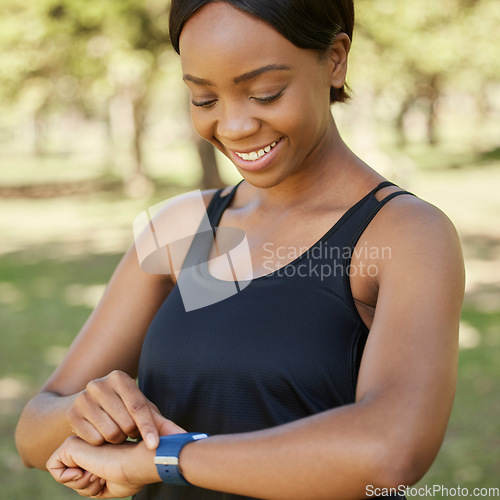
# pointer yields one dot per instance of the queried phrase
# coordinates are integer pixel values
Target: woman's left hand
(106, 471)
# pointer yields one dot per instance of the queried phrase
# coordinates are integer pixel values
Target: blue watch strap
(167, 456)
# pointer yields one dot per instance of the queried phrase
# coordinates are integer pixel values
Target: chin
(261, 180)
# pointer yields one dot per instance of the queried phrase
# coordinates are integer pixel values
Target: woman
(331, 373)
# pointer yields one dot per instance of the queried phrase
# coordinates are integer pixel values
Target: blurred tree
(414, 52)
(99, 57)
(102, 60)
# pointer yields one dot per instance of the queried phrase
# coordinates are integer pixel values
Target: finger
(82, 482)
(110, 394)
(70, 475)
(78, 417)
(115, 407)
(145, 422)
(165, 426)
(141, 411)
(74, 478)
(61, 466)
(93, 423)
(86, 431)
(65, 470)
(103, 408)
(91, 489)
(107, 429)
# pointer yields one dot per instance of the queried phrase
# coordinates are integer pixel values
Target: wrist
(186, 462)
(143, 467)
(167, 458)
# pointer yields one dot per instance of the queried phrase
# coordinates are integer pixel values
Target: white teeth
(255, 155)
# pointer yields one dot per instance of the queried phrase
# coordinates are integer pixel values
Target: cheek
(305, 117)
(292, 122)
(202, 123)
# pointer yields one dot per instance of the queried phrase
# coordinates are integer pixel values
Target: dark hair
(308, 24)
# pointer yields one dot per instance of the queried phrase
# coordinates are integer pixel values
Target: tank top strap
(203, 239)
(371, 208)
(219, 203)
(360, 221)
(383, 185)
(349, 227)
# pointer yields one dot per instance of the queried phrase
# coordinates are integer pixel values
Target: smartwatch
(167, 456)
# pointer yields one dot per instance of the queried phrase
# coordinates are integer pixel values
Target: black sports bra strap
(393, 195)
(374, 211)
(219, 203)
(231, 194)
(390, 196)
(383, 185)
(214, 200)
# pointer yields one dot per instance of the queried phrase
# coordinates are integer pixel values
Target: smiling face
(262, 101)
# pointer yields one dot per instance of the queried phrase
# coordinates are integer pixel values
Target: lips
(258, 159)
(257, 154)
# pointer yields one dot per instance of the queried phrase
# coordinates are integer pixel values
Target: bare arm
(93, 393)
(110, 340)
(392, 433)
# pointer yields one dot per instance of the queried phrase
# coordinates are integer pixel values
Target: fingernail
(151, 441)
(93, 477)
(77, 477)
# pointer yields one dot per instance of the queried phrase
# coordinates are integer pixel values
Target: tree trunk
(432, 138)
(138, 129)
(210, 176)
(126, 113)
(138, 184)
(110, 146)
(402, 139)
(37, 131)
(433, 94)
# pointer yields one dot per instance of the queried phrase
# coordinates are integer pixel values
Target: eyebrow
(238, 79)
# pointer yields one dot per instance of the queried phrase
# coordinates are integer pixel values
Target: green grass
(39, 319)
(57, 254)
(470, 456)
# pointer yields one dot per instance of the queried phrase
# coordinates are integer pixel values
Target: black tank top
(286, 346)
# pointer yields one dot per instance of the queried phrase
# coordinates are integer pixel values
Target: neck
(327, 170)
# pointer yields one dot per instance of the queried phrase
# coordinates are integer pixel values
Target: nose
(236, 123)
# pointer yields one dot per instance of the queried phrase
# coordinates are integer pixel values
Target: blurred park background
(95, 128)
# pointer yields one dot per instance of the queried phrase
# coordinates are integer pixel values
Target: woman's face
(259, 99)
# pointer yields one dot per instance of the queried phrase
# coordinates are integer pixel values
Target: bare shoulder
(420, 236)
(186, 208)
(181, 214)
(186, 199)
(171, 224)
(410, 218)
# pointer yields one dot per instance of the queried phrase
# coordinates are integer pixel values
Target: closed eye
(204, 104)
(210, 103)
(270, 98)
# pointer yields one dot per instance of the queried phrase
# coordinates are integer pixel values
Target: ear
(338, 55)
